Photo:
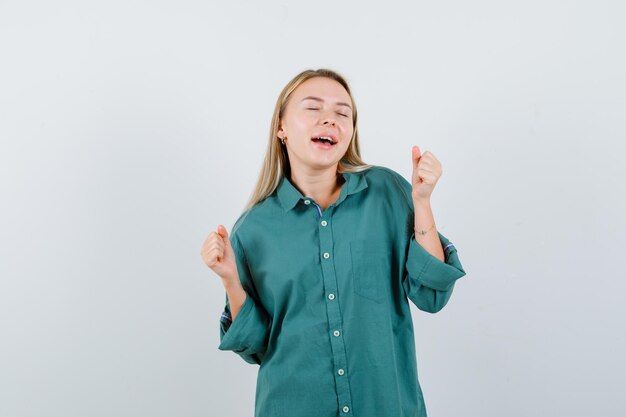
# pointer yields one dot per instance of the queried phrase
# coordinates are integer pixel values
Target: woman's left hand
(426, 172)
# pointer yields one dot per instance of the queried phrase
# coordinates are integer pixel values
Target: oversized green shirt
(327, 315)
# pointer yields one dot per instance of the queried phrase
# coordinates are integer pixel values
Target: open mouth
(324, 140)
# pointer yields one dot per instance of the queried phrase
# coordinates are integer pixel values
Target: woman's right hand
(218, 254)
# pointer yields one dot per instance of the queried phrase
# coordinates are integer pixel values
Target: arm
(235, 296)
(244, 329)
(432, 263)
(424, 221)
(427, 281)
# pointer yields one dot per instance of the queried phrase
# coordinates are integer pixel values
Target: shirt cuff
(234, 332)
(431, 272)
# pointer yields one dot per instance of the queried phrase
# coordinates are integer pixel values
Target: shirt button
(346, 408)
(326, 255)
(340, 372)
(324, 223)
(307, 202)
(331, 296)
(336, 333)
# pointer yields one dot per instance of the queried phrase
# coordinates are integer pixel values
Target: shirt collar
(289, 195)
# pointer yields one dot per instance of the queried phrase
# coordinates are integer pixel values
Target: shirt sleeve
(427, 281)
(248, 334)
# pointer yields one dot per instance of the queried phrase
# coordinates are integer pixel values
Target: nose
(329, 122)
(328, 118)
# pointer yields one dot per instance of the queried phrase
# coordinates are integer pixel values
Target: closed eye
(339, 113)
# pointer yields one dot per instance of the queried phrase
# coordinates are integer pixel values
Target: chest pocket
(371, 269)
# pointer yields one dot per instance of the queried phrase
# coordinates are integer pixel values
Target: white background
(131, 129)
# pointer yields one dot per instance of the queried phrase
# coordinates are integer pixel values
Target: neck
(321, 186)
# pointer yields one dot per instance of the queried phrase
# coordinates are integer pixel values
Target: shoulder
(250, 219)
(391, 181)
(383, 173)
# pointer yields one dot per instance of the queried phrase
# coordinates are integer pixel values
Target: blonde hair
(276, 162)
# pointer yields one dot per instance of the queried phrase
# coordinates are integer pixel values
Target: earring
(282, 140)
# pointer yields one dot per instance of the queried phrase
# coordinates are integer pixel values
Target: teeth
(327, 138)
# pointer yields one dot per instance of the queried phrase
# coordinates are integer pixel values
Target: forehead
(322, 87)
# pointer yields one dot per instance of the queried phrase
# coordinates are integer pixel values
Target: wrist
(422, 232)
(231, 282)
(421, 202)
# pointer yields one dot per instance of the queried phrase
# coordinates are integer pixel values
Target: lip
(328, 134)
(323, 146)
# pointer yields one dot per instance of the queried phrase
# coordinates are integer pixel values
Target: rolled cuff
(247, 334)
(431, 272)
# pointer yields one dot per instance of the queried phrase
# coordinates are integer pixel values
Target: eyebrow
(341, 103)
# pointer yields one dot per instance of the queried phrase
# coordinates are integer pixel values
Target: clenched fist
(218, 254)
(426, 172)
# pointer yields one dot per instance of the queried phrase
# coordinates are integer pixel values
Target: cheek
(349, 130)
(303, 123)
(346, 143)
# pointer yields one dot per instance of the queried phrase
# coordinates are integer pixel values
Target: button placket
(326, 242)
(317, 207)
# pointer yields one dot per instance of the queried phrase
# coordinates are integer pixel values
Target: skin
(314, 170)
(314, 174)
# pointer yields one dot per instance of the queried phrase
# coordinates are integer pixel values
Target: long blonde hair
(276, 162)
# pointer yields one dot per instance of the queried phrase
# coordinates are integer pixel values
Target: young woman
(319, 268)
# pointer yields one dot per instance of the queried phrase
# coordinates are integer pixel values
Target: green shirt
(327, 315)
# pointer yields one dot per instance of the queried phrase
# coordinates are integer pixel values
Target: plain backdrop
(131, 129)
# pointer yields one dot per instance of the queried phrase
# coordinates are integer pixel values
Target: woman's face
(319, 106)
